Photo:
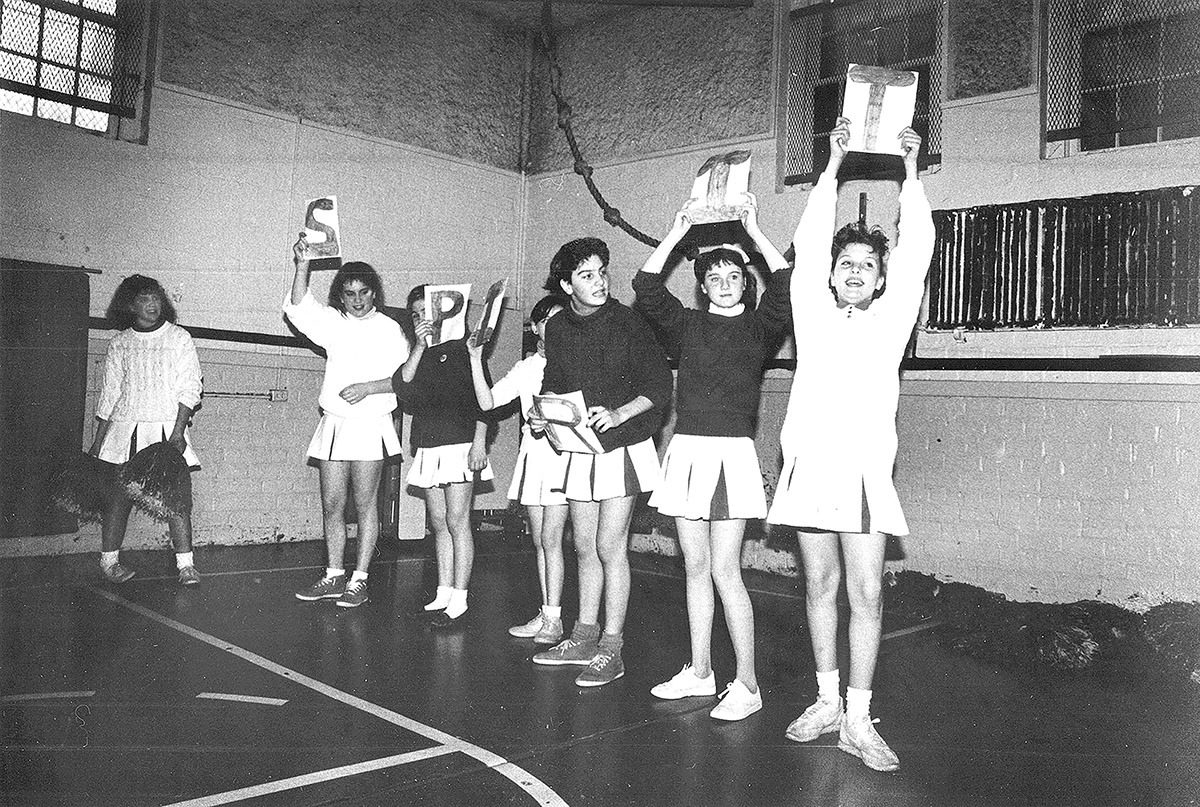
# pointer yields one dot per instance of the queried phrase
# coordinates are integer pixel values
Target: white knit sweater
(148, 374)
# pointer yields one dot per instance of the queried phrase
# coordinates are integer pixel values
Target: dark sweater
(613, 357)
(441, 397)
(720, 358)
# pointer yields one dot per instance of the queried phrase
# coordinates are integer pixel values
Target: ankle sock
(828, 685)
(612, 642)
(109, 559)
(585, 633)
(858, 703)
(332, 572)
(440, 600)
(184, 559)
(458, 603)
(552, 611)
(357, 575)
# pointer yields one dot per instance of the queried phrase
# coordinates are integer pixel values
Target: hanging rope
(611, 214)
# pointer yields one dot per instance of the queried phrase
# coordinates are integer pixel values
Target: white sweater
(147, 374)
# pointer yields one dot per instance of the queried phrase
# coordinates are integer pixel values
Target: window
(79, 62)
(823, 40)
(1119, 73)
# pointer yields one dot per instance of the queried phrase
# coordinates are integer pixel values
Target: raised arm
(908, 263)
(300, 279)
(814, 232)
(424, 330)
(483, 390)
(654, 300)
(771, 255)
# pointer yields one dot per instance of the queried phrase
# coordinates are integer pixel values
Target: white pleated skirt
(625, 471)
(540, 475)
(710, 478)
(349, 439)
(126, 438)
(445, 465)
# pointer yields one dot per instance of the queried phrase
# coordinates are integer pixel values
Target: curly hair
(544, 306)
(120, 310)
(859, 233)
(568, 258)
(355, 270)
(715, 257)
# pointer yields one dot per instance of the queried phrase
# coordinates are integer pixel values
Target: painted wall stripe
(45, 696)
(226, 696)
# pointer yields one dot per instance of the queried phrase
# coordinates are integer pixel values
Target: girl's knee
(822, 585)
(866, 595)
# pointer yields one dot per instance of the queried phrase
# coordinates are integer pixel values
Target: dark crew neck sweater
(613, 357)
(720, 358)
(441, 396)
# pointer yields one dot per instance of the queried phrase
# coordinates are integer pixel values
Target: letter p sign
(447, 307)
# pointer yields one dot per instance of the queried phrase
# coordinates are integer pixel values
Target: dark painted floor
(484, 726)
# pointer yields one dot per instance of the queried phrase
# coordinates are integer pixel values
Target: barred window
(823, 40)
(1119, 73)
(1107, 260)
(78, 62)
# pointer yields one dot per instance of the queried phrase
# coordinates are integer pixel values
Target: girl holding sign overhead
(449, 435)
(607, 351)
(363, 348)
(711, 481)
(537, 481)
(839, 434)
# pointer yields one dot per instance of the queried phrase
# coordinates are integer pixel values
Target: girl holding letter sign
(537, 481)
(355, 434)
(711, 480)
(839, 435)
(607, 351)
(449, 435)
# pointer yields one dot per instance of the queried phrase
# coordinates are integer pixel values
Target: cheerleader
(152, 384)
(607, 351)
(839, 434)
(539, 473)
(356, 432)
(711, 481)
(449, 436)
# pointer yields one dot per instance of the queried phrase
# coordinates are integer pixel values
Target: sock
(858, 703)
(109, 559)
(458, 603)
(612, 642)
(183, 559)
(828, 685)
(354, 578)
(332, 572)
(440, 600)
(552, 611)
(585, 633)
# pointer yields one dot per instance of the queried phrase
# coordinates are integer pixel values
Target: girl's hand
(602, 419)
(473, 350)
(910, 144)
(178, 443)
(424, 329)
(476, 458)
(354, 393)
(750, 213)
(300, 249)
(839, 139)
(683, 219)
(536, 422)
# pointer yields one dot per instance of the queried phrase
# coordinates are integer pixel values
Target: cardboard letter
(321, 228)
(447, 309)
(566, 423)
(719, 186)
(492, 306)
(879, 102)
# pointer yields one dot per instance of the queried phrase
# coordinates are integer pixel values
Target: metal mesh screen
(1114, 259)
(1120, 73)
(824, 40)
(72, 61)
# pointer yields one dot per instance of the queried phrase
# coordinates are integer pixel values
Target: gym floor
(234, 692)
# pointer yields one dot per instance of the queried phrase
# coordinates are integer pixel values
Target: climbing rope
(611, 214)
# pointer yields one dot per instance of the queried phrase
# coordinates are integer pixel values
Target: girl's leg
(612, 545)
(335, 480)
(458, 520)
(864, 585)
(116, 521)
(726, 537)
(364, 475)
(697, 565)
(822, 576)
(180, 529)
(585, 519)
(554, 523)
(443, 544)
(536, 512)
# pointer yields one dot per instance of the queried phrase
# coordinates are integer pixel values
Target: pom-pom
(157, 481)
(85, 487)
(1173, 632)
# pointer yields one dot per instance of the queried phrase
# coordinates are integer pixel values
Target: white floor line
(45, 696)
(225, 696)
(526, 781)
(316, 777)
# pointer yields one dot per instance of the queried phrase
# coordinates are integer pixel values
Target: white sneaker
(686, 684)
(859, 737)
(822, 717)
(529, 629)
(737, 702)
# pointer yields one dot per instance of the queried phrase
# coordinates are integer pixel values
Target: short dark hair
(715, 257)
(417, 293)
(120, 310)
(544, 306)
(859, 233)
(355, 270)
(568, 258)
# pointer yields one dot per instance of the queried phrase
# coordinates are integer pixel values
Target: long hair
(355, 270)
(715, 257)
(120, 309)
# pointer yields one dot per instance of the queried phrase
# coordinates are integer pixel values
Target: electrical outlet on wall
(279, 395)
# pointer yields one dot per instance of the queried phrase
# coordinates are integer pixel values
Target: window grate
(1121, 73)
(73, 61)
(1113, 259)
(823, 40)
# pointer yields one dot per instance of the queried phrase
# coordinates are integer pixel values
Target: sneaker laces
(600, 661)
(565, 645)
(356, 586)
